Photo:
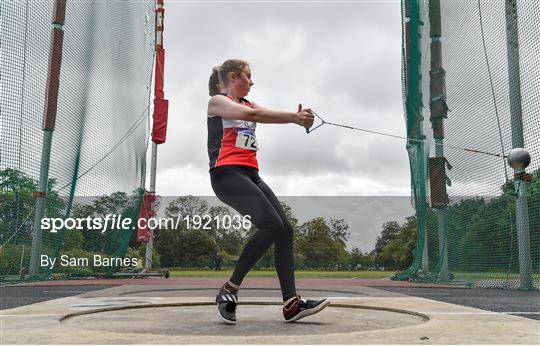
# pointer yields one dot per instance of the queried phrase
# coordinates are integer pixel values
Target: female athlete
(232, 149)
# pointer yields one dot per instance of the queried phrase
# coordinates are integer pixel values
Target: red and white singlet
(232, 142)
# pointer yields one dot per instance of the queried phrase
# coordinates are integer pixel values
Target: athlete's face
(244, 82)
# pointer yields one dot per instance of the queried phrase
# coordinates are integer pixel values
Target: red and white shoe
(298, 308)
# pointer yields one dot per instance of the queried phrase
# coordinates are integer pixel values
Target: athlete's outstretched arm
(224, 107)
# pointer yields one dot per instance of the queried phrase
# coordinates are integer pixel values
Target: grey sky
(340, 58)
(343, 59)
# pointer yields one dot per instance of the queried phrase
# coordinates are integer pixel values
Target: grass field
(298, 274)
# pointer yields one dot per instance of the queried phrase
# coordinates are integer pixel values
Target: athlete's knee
(287, 232)
(272, 223)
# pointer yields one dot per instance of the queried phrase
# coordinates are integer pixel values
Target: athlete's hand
(304, 117)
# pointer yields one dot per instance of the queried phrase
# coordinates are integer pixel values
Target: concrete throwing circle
(253, 320)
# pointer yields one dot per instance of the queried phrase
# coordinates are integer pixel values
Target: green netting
(478, 219)
(101, 134)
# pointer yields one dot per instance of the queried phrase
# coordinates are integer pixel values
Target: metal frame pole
(150, 243)
(413, 108)
(522, 212)
(438, 110)
(414, 105)
(415, 133)
(49, 119)
(422, 224)
(444, 272)
(158, 96)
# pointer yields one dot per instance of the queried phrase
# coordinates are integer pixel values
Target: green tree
(17, 212)
(389, 232)
(399, 252)
(108, 239)
(317, 246)
(339, 230)
(186, 205)
(191, 248)
(74, 239)
(356, 258)
(167, 242)
(368, 260)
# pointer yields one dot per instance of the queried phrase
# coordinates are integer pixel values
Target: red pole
(161, 105)
(159, 133)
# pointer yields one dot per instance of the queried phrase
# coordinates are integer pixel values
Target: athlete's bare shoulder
(218, 99)
(215, 102)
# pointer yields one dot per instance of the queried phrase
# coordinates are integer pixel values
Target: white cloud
(341, 59)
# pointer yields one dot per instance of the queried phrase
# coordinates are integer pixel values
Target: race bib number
(246, 141)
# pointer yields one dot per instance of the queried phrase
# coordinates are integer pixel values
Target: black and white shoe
(299, 308)
(226, 304)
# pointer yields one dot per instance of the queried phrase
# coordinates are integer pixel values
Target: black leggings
(242, 188)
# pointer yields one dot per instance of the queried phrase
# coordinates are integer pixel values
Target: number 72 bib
(246, 141)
